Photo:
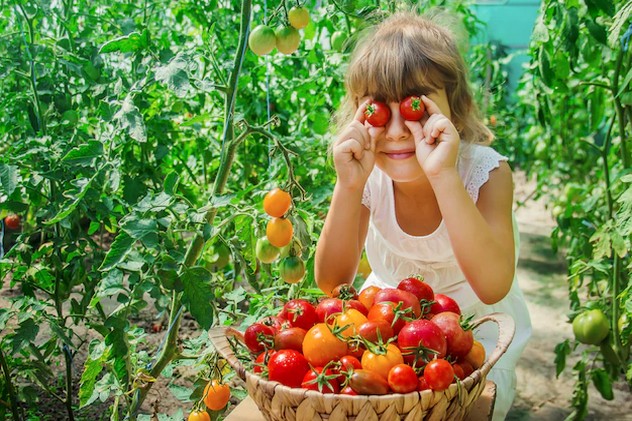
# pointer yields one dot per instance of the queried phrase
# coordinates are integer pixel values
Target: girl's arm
(481, 234)
(341, 241)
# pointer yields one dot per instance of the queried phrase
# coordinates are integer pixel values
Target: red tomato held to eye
(288, 367)
(12, 222)
(444, 303)
(402, 379)
(412, 108)
(259, 337)
(459, 341)
(300, 313)
(421, 340)
(377, 113)
(439, 374)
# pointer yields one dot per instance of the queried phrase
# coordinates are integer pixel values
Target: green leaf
(69, 206)
(130, 119)
(620, 19)
(85, 154)
(25, 334)
(175, 75)
(597, 31)
(562, 350)
(540, 31)
(198, 294)
(125, 44)
(91, 370)
(119, 249)
(171, 183)
(606, 6)
(625, 83)
(602, 383)
(8, 178)
(182, 393)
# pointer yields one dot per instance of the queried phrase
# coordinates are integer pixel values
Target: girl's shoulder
(476, 162)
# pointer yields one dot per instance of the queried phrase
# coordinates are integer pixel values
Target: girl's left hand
(436, 140)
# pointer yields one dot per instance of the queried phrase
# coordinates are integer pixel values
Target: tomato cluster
(286, 38)
(378, 113)
(216, 396)
(379, 341)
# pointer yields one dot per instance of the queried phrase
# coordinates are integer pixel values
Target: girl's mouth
(400, 155)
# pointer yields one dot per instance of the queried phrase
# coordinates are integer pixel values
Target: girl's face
(395, 146)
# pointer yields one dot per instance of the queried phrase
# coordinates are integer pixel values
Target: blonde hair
(408, 54)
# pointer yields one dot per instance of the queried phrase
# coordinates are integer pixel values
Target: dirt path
(542, 277)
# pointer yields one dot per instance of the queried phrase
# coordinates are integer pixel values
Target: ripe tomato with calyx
(417, 287)
(382, 359)
(216, 395)
(387, 311)
(377, 113)
(349, 321)
(421, 340)
(262, 360)
(458, 334)
(298, 17)
(262, 40)
(300, 313)
(279, 231)
(439, 374)
(444, 303)
(277, 202)
(288, 367)
(412, 108)
(321, 345)
(320, 379)
(328, 307)
(12, 222)
(259, 337)
(376, 331)
(408, 301)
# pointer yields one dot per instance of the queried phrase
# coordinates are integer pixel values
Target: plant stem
(69, 394)
(10, 391)
(619, 109)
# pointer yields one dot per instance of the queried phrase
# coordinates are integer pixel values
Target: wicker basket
(281, 403)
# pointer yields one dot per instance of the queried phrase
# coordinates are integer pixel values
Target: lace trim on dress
(480, 173)
(366, 197)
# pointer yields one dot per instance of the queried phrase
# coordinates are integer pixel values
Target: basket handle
(506, 330)
(219, 339)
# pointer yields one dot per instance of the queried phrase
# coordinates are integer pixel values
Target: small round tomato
(277, 202)
(458, 339)
(444, 303)
(328, 307)
(321, 346)
(292, 269)
(216, 395)
(199, 415)
(288, 367)
(591, 327)
(266, 252)
(439, 374)
(290, 338)
(348, 390)
(262, 361)
(279, 231)
(12, 222)
(420, 340)
(476, 355)
(259, 337)
(351, 319)
(382, 362)
(408, 300)
(323, 380)
(376, 331)
(262, 40)
(367, 296)
(412, 108)
(386, 311)
(423, 384)
(300, 313)
(298, 17)
(418, 288)
(402, 379)
(377, 113)
(287, 39)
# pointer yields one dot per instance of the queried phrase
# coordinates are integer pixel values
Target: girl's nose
(395, 128)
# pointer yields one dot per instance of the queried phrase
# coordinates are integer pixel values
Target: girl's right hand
(354, 151)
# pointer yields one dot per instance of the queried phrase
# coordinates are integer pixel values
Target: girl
(424, 197)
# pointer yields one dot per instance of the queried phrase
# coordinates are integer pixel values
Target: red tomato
(444, 303)
(345, 292)
(376, 331)
(421, 340)
(348, 390)
(321, 346)
(386, 311)
(412, 108)
(323, 380)
(377, 113)
(275, 323)
(458, 371)
(290, 338)
(356, 305)
(262, 361)
(466, 367)
(327, 307)
(259, 337)
(300, 313)
(12, 222)
(288, 367)
(402, 379)
(409, 301)
(439, 374)
(459, 340)
(423, 384)
(419, 289)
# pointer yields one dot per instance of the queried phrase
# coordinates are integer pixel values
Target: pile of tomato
(380, 341)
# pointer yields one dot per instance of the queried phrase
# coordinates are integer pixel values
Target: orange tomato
(382, 363)
(321, 346)
(279, 232)
(367, 296)
(198, 415)
(216, 395)
(351, 318)
(277, 202)
(476, 356)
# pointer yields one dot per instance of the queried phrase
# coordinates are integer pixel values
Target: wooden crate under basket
(280, 403)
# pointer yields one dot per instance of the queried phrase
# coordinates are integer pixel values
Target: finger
(374, 133)
(351, 149)
(431, 106)
(359, 114)
(416, 129)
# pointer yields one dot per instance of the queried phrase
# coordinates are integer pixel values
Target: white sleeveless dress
(395, 255)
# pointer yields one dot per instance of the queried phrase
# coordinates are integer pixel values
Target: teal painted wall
(510, 23)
